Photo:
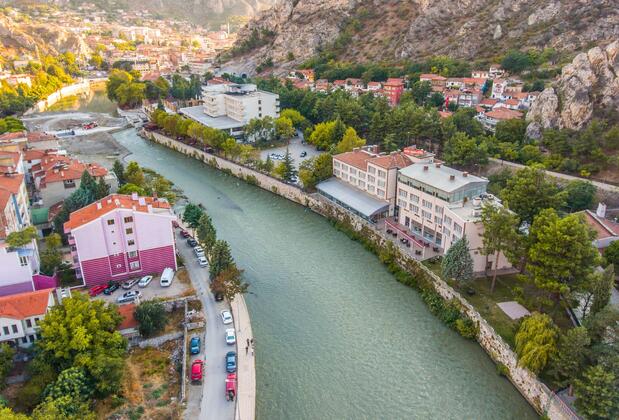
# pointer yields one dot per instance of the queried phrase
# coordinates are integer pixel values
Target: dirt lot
(150, 388)
(99, 147)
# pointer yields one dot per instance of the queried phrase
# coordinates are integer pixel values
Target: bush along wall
(408, 273)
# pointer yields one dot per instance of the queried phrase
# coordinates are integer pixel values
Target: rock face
(588, 84)
(468, 29)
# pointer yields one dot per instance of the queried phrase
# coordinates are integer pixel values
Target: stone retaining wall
(535, 392)
(78, 88)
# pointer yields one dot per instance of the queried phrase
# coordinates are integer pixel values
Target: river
(337, 337)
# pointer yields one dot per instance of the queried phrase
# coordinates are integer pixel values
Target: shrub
(502, 370)
(467, 328)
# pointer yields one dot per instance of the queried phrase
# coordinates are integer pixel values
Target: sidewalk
(246, 366)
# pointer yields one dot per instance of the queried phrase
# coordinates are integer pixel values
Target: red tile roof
(504, 114)
(24, 305)
(605, 228)
(357, 158)
(11, 183)
(13, 136)
(113, 201)
(36, 136)
(60, 168)
(34, 154)
(394, 160)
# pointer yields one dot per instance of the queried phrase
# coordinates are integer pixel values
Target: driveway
(208, 401)
(153, 290)
(295, 148)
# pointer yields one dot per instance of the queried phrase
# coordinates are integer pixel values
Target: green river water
(337, 337)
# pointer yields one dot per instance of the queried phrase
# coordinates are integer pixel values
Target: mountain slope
(364, 30)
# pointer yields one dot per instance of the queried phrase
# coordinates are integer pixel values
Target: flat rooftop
(196, 113)
(440, 176)
(352, 197)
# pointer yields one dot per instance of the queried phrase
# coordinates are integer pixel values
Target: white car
(202, 261)
(226, 317)
(230, 336)
(145, 281)
(199, 251)
(129, 296)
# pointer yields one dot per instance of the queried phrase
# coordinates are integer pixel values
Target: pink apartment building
(121, 237)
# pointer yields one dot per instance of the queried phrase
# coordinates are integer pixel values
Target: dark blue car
(195, 345)
(231, 362)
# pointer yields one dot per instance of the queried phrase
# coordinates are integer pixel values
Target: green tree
(63, 408)
(536, 342)
(512, 131)
(284, 128)
(82, 333)
(22, 237)
(458, 263)
(316, 169)
(500, 228)
(73, 382)
(229, 283)
(611, 253)
(89, 185)
(221, 258)
(516, 61)
(580, 195)
(461, 150)
(192, 215)
(286, 169)
(151, 317)
(596, 394)
(561, 255)
(206, 233)
(134, 174)
(298, 120)
(528, 192)
(567, 363)
(8, 414)
(598, 290)
(349, 142)
(116, 78)
(119, 171)
(130, 189)
(421, 91)
(6, 362)
(103, 189)
(51, 258)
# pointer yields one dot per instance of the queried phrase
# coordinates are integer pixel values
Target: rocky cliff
(587, 86)
(368, 30)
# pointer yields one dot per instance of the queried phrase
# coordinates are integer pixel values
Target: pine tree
(103, 189)
(89, 185)
(119, 171)
(206, 233)
(596, 393)
(458, 263)
(289, 171)
(221, 258)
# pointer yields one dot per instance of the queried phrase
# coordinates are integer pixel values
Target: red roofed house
(394, 88)
(434, 79)
(607, 230)
(20, 315)
(490, 119)
(374, 86)
(121, 236)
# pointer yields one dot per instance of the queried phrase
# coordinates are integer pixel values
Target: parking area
(180, 286)
(296, 148)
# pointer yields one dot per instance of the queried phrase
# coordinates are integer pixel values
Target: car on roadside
(231, 362)
(197, 370)
(97, 290)
(194, 345)
(145, 281)
(192, 242)
(230, 336)
(303, 153)
(185, 234)
(111, 288)
(226, 317)
(166, 277)
(129, 296)
(203, 261)
(219, 297)
(130, 283)
(199, 251)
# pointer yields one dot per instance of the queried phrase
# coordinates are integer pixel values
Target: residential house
(339, 84)
(394, 87)
(20, 315)
(480, 74)
(121, 236)
(322, 85)
(440, 205)
(490, 119)
(434, 79)
(374, 86)
(41, 141)
(495, 71)
(606, 229)
(498, 89)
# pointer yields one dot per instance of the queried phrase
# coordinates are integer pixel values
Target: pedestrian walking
(246, 349)
(252, 352)
(248, 342)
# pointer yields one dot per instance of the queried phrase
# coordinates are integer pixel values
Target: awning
(40, 216)
(352, 198)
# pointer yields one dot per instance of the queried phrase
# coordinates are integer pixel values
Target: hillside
(369, 30)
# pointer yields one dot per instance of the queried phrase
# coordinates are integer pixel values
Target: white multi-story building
(440, 205)
(230, 106)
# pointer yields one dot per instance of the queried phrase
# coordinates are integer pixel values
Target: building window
(336, 164)
(371, 169)
(132, 254)
(31, 338)
(23, 261)
(437, 219)
(336, 172)
(447, 221)
(414, 209)
(6, 330)
(371, 188)
(14, 328)
(402, 194)
(382, 174)
(128, 219)
(361, 175)
(28, 323)
(426, 214)
(110, 222)
(24, 340)
(457, 229)
(371, 178)
(129, 231)
(426, 204)
(414, 198)
(131, 242)
(401, 203)
(353, 171)
(68, 183)
(134, 265)
(381, 183)
(438, 209)
(380, 193)
(36, 321)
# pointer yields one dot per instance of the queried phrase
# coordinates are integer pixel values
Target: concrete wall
(536, 393)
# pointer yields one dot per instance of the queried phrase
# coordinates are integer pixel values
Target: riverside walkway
(246, 362)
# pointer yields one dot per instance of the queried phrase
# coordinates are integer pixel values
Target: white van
(166, 277)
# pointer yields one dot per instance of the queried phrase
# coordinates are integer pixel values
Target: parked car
(166, 277)
(130, 283)
(192, 242)
(199, 251)
(303, 153)
(194, 345)
(129, 296)
(97, 290)
(203, 261)
(145, 281)
(230, 336)
(231, 362)
(185, 234)
(219, 297)
(226, 317)
(111, 288)
(197, 370)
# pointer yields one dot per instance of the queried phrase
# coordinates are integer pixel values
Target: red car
(175, 224)
(97, 290)
(185, 234)
(197, 370)
(231, 386)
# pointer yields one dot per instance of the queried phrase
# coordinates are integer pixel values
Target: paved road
(295, 148)
(211, 402)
